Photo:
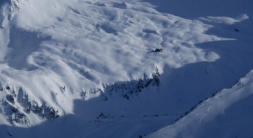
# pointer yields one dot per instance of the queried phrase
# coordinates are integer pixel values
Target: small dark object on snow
(101, 116)
(105, 98)
(9, 134)
(157, 50)
(63, 88)
(237, 30)
(8, 87)
(126, 96)
(156, 115)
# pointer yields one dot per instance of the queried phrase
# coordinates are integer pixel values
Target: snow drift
(53, 53)
(80, 45)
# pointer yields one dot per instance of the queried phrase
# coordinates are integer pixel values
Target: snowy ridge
(207, 110)
(105, 42)
(225, 20)
(112, 57)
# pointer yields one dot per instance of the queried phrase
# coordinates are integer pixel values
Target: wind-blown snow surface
(191, 124)
(84, 44)
(55, 51)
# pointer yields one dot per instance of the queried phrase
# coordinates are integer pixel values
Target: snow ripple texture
(84, 44)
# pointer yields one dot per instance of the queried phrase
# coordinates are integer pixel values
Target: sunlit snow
(56, 50)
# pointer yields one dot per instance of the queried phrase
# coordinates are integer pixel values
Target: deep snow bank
(80, 45)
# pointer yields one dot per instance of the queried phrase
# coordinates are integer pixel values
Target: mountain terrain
(126, 68)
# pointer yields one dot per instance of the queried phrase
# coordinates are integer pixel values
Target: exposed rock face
(17, 106)
(126, 89)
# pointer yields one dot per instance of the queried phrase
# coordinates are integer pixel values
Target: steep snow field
(230, 123)
(225, 113)
(122, 68)
(88, 44)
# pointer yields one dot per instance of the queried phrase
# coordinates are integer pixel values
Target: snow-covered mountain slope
(207, 110)
(230, 114)
(87, 44)
(114, 68)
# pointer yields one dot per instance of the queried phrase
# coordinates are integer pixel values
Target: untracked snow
(189, 125)
(85, 44)
(59, 58)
